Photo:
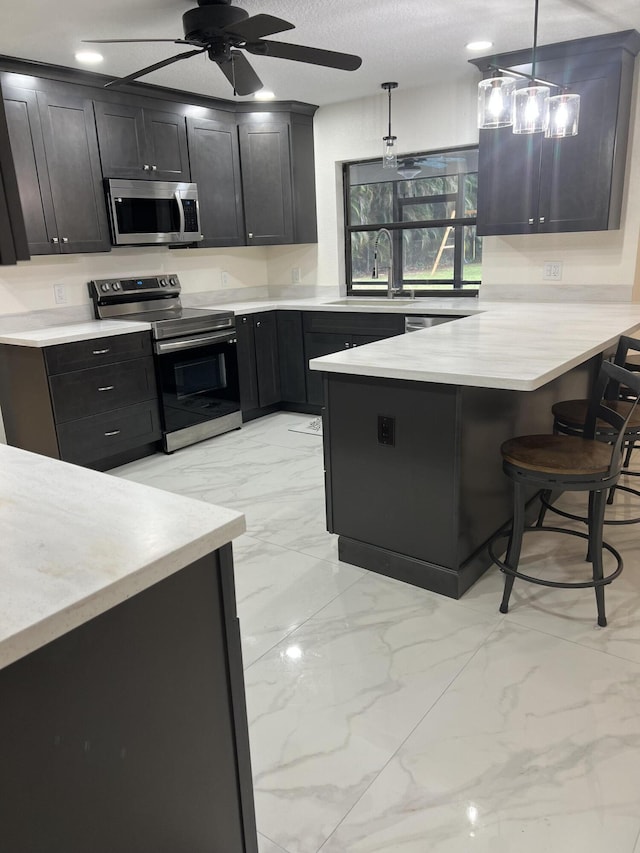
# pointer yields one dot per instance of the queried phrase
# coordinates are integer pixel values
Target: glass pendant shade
(530, 109)
(495, 102)
(389, 153)
(564, 114)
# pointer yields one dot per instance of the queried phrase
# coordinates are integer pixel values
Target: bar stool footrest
(584, 519)
(507, 570)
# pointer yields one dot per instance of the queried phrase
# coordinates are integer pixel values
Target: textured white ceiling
(411, 41)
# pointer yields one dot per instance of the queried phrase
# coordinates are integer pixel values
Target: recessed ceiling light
(89, 57)
(264, 95)
(479, 45)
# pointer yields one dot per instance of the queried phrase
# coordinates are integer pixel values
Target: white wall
(28, 286)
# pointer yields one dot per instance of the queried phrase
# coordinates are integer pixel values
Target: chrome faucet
(392, 287)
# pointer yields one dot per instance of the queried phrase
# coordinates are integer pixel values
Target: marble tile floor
(387, 719)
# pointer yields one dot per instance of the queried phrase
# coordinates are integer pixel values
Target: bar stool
(569, 417)
(552, 463)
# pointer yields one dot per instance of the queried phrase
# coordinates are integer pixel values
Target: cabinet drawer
(384, 325)
(78, 355)
(101, 389)
(101, 436)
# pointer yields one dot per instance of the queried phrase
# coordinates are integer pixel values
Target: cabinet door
(293, 384)
(266, 183)
(27, 148)
(166, 135)
(73, 165)
(215, 168)
(508, 182)
(575, 183)
(267, 362)
(317, 344)
(123, 147)
(247, 364)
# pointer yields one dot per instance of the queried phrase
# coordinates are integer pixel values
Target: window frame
(458, 287)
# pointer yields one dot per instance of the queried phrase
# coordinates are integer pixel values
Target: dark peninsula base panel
(414, 480)
(128, 734)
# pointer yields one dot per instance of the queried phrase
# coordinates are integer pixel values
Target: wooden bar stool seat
(558, 463)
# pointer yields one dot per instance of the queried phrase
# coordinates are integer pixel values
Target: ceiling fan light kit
(223, 31)
(529, 110)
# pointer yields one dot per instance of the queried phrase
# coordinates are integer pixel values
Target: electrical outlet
(224, 279)
(59, 294)
(295, 275)
(552, 271)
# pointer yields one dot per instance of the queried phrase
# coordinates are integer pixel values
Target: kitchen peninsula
(414, 424)
(122, 713)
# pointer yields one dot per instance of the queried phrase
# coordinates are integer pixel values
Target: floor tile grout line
(419, 723)
(547, 633)
(304, 622)
(275, 844)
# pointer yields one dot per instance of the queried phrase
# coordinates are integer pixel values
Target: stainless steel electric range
(195, 355)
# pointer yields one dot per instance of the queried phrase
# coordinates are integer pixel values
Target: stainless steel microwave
(150, 212)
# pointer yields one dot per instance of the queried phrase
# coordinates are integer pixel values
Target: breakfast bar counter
(122, 712)
(413, 427)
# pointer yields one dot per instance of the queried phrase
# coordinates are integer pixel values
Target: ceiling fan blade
(133, 41)
(157, 65)
(300, 53)
(238, 71)
(258, 26)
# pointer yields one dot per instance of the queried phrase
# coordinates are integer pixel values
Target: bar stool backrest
(611, 376)
(625, 345)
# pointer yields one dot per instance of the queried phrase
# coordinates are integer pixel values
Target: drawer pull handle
(113, 432)
(107, 388)
(100, 351)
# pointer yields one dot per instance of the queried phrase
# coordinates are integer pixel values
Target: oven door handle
(175, 345)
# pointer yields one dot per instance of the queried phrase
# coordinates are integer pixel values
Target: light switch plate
(59, 294)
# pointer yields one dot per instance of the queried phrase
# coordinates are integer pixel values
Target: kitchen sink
(363, 301)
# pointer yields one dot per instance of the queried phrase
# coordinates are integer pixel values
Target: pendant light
(529, 105)
(532, 109)
(389, 150)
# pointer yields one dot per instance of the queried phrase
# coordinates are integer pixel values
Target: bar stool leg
(544, 495)
(596, 521)
(515, 543)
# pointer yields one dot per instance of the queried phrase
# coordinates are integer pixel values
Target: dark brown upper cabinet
(55, 152)
(530, 184)
(215, 168)
(137, 142)
(278, 179)
(13, 235)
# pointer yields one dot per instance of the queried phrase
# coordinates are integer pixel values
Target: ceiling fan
(222, 31)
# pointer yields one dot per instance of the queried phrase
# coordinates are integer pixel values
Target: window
(431, 217)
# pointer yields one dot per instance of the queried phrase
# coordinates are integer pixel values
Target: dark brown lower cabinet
(130, 732)
(92, 402)
(258, 362)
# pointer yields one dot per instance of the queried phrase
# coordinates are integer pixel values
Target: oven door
(198, 385)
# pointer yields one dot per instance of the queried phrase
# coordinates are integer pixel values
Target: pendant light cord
(535, 43)
(389, 93)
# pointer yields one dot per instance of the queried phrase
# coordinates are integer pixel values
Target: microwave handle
(178, 199)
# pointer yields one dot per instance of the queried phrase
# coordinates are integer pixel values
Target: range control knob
(173, 281)
(116, 285)
(163, 282)
(104, 286)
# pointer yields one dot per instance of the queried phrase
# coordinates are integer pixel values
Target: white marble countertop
(52, 335)
(379, 305)
(514, 345)
(73, 548)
